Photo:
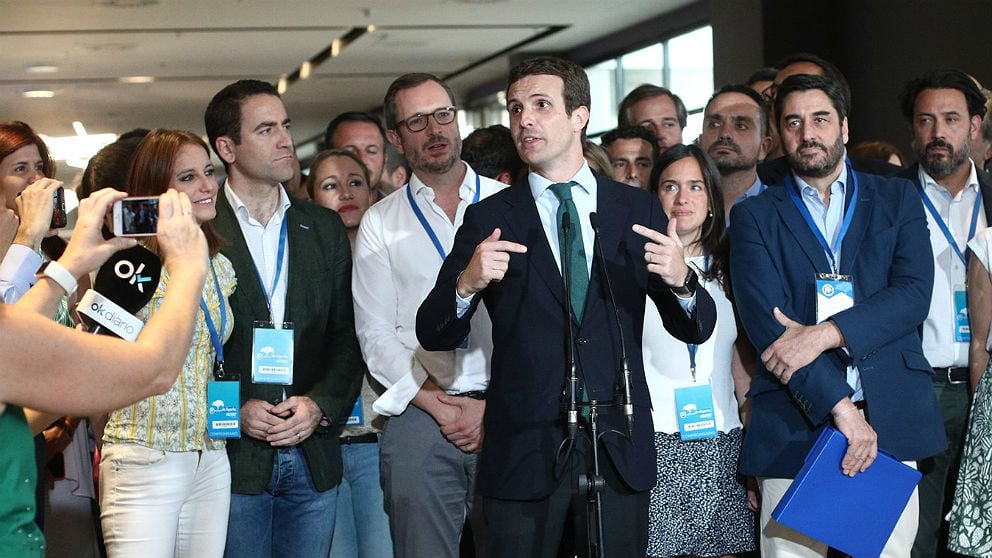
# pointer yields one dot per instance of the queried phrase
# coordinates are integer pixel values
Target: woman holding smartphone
(165, 485)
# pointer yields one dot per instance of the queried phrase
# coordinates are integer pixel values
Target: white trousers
(159, 504)
(779, 541)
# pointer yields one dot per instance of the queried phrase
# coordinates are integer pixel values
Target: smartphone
(59, 219)
(136, 216)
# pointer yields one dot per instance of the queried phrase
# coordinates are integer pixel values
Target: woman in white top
(699, 506)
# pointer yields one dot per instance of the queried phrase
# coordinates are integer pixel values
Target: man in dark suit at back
(853, 360)
(293, 264)
(944, 109)
(508, 254)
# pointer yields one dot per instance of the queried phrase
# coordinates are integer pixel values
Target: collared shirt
(263, 244)
(828, 219)
(939, 344)
(756, 188)
(17, 272)
(584, 198)
(396, 266)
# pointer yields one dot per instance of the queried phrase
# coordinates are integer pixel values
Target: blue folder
(856, 514)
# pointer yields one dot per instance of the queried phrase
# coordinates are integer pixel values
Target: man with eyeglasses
(434, 401)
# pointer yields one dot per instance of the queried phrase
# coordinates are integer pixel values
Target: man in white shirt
(435, 401)
(944, 109)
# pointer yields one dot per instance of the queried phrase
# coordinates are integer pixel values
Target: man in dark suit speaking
(508, 254)
(832, 275)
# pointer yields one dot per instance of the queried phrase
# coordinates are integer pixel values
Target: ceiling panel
(194, 47)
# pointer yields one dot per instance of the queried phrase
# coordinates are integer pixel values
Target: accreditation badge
(962, 331)
(834, 293)
(357, 415)
(272, 354)
(224, 408)
(696, 418)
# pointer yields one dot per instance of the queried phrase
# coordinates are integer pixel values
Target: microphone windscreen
(594, 220)
(129, 278)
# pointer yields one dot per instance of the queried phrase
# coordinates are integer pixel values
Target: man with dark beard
(735, 136)
(854, 363)
(434, 401)
(944, 109)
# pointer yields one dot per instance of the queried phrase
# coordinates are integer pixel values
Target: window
(683, 63)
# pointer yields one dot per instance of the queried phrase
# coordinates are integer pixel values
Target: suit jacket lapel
(859, 222)
(302, 245)
(798, 228)
(525, 223)
(236, 250)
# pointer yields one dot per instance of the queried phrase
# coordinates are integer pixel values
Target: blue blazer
(524, 425)
(774, 259)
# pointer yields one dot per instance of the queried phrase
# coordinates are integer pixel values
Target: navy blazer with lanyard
(775, 257)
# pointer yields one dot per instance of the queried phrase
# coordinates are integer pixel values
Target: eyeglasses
(442, 116)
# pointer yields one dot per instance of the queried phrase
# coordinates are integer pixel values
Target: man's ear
(224, 146)
(394, 138)
(580, 117)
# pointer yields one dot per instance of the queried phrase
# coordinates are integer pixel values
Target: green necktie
(572, 246)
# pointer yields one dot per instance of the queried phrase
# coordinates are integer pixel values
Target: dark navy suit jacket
(774, 260)
(524, 424)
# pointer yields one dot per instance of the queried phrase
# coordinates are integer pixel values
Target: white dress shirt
(263, 244)
(396, 266)
(939, 341)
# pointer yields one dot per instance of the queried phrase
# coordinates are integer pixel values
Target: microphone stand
(590, 484)
(571, 374)
(626, 401)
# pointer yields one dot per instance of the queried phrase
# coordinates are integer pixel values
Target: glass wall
(683, 63)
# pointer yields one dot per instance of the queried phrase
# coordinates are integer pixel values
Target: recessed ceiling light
(41, 69)
(128, 3)
(136, 79)
(38, 94)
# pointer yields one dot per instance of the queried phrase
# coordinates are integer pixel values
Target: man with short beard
(434, 401)
(860, 368)
(735, 136)
(944, 109)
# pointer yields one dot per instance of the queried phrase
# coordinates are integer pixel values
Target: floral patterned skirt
(971, 514)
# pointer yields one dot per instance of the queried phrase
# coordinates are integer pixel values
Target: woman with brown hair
(165, 484)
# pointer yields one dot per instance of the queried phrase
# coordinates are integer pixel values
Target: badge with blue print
(694, 405)
(962, 331)
(357, 416)
(223, 409)
(272, 354)
(834, 294)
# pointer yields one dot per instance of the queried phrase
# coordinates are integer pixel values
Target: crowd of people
(520, 343)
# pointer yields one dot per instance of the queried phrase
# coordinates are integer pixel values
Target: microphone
(572, 414)
(123, 285)
(626, 402)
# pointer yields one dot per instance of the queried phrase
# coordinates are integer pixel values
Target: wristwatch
(54, 271)
(688, 285)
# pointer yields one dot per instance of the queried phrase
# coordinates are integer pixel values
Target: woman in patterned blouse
(164, 484)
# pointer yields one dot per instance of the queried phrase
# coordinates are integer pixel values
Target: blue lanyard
(423, 219)
(693, 347)
(279, 256)
(943, 225)
(848, 217)
(215, 336)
